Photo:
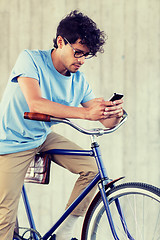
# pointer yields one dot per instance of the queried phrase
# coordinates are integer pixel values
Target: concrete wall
(130, 64)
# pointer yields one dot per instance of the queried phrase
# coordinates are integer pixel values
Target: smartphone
(116, 96)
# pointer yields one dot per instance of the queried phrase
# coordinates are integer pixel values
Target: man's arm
(32, 93)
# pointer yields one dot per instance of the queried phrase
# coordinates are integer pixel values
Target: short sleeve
(25, 66)
(87, 91)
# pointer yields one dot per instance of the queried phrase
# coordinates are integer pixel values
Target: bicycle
(126, 211)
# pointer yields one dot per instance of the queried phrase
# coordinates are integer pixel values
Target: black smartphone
(116, 96)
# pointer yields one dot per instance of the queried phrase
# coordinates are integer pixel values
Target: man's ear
(60, 42)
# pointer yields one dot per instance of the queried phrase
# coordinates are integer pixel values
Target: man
(50, 82)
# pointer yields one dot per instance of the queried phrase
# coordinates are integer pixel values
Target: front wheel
(140, 204)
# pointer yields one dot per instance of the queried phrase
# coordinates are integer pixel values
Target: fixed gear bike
(126, 211)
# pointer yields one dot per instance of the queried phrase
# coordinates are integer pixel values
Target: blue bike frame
(101, 177)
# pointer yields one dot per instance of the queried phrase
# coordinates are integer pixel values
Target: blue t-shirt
(18, 134)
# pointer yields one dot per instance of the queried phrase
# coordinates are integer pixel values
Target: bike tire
(140, 204)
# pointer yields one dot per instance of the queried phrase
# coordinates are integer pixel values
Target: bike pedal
(53, 237)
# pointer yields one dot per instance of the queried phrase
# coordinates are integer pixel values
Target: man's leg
(85, 166)
(13, 168)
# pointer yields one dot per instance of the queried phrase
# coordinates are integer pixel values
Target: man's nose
(81, 60)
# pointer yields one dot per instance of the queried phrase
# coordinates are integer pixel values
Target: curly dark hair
(78, 26)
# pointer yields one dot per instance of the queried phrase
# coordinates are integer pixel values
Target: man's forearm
(45, 106)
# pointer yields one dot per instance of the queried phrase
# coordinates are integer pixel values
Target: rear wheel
(140, 204)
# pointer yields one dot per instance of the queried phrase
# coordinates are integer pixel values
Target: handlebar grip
(37, 116)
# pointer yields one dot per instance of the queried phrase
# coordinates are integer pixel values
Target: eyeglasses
(79, 53)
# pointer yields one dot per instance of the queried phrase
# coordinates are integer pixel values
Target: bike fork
(124, 224)
(106, 205)
(104, 178)
(122, 218)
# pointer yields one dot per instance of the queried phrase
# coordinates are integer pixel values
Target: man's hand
(114, 110)
(98, 109)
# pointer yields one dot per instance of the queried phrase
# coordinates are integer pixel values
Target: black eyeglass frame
(80, 53)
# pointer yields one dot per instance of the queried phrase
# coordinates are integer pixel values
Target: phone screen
(116, 96)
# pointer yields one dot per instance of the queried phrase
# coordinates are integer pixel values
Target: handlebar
(96, 131)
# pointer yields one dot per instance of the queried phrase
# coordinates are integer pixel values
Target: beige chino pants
(13, 168)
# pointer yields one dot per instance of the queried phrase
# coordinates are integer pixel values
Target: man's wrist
(84, 113)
